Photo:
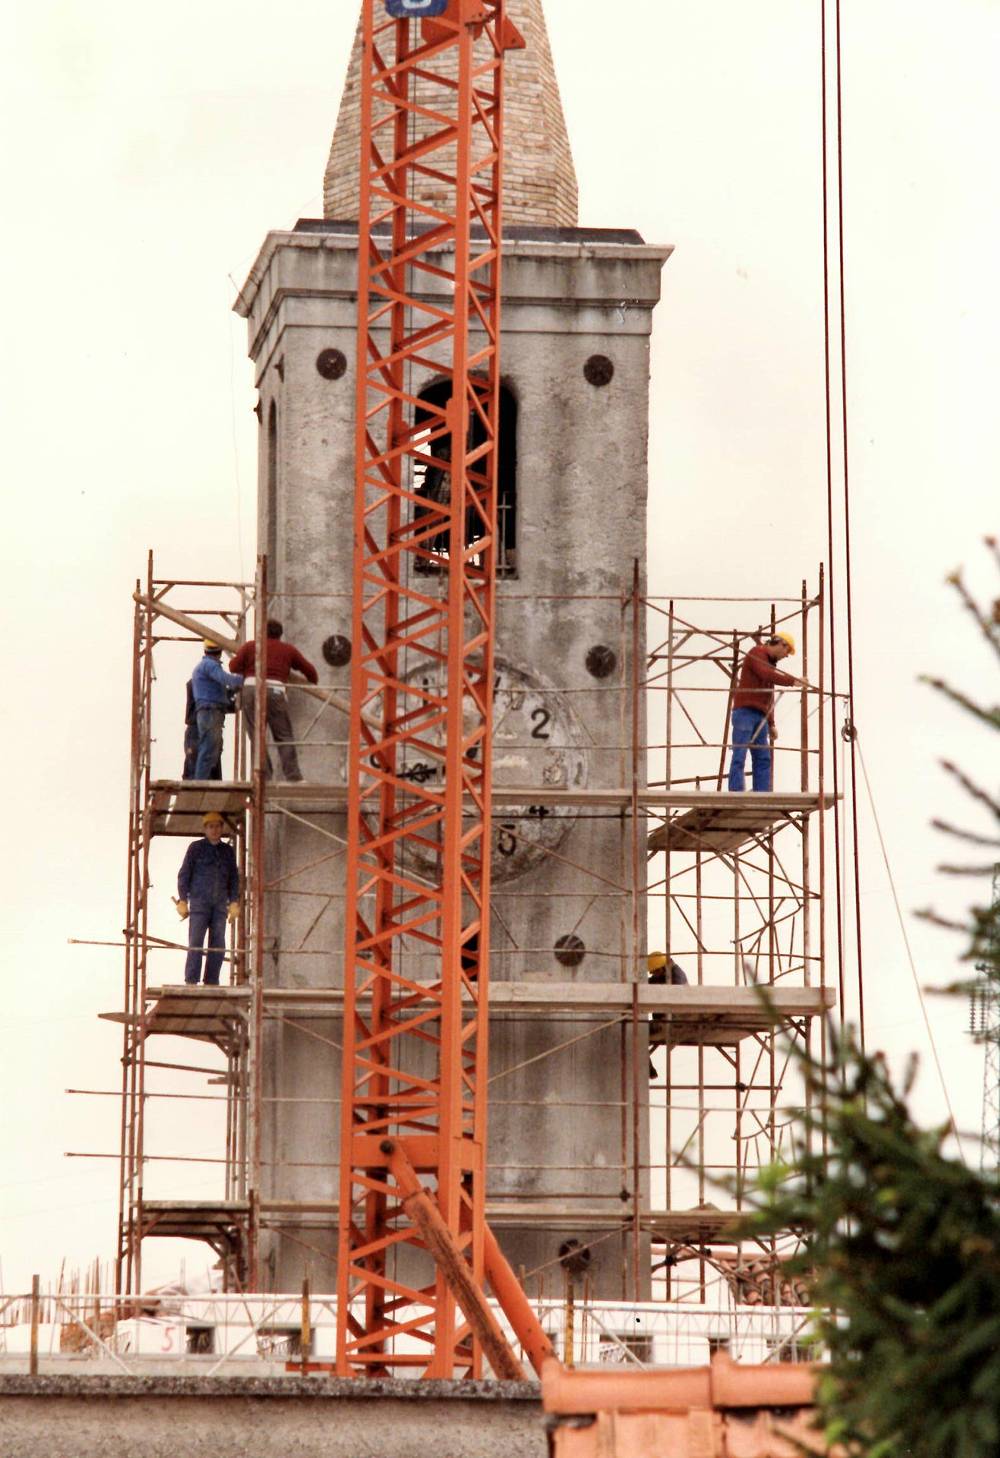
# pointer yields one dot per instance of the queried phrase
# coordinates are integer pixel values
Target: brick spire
(539, 177)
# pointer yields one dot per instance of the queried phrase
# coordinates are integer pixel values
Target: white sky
(148, 152)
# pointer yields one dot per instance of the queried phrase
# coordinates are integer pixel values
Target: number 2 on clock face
(540, 718)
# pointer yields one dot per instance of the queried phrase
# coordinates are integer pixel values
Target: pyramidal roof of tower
(540, 185)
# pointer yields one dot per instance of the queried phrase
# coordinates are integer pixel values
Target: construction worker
(211, 686)
(280, 659)
(208, 891)
(662, 970)
(752, 721)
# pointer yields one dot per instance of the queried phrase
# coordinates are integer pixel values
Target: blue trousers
(749, 731)
(208, 762)
(210, 917)
(190, 749)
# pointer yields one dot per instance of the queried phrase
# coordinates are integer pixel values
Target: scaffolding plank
(684, 1003)
(669, 1226)
(212, 1014)
(206, 1220)
(193, 1219)
(177, 806)
(726, 820)
(700, 1223)
(334, 797)
(686, 1016)
(712, 817)
(703, 1225)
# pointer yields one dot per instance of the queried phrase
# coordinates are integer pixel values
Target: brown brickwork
(539, 177)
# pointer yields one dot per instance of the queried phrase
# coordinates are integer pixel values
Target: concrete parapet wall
(247, 1417)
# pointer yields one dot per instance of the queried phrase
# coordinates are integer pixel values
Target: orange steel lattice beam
(414, 1059)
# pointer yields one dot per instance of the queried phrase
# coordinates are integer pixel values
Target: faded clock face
(536, 745)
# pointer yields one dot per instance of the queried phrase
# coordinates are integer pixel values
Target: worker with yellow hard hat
(211, 687)
(752, 726)
(208, 897)
(662, 970)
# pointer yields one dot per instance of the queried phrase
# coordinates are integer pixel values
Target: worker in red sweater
(752, 724)
(280, 659)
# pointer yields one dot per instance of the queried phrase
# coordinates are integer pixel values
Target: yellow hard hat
(212, 817)
(655, 961)
(211, 646)
(787, 638)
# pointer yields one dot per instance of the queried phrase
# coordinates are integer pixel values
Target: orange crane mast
(413, 1163)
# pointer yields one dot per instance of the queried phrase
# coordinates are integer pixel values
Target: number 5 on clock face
(537, 744)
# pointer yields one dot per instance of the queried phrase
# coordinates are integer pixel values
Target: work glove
(234, 910)
(182, 909)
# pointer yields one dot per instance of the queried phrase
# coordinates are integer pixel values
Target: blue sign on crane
(404, 9)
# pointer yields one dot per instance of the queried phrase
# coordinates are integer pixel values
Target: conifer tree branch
(988, 626)
(983, 796)
(904, 1264)
(988, 716)
(968, 835)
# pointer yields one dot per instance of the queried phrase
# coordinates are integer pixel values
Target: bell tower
(567, 1137)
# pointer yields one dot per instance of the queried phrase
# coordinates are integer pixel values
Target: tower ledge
(341, 235)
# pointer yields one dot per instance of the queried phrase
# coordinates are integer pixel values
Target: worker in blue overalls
(208, 890)
(210, 688)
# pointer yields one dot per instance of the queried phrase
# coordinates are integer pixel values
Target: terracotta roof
(726, 1410)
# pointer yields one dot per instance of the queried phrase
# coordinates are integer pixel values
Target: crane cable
(909, 956)
(829, 504)
(847, 730)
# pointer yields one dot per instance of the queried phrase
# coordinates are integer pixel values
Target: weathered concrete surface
(247, 1417)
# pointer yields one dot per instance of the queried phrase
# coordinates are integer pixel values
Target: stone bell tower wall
(575, 357)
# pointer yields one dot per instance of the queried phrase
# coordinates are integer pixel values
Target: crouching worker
(208, 890)
(662, 970)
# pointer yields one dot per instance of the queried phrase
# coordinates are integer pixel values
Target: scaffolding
(739, 883)
(730, 885)
(222, 1019)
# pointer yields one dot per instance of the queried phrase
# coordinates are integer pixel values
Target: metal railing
(215, 1333)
